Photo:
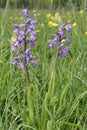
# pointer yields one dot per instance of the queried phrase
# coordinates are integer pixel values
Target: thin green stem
(52, 87)
(50, 94)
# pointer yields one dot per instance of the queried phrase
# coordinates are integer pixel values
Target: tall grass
(65, 108)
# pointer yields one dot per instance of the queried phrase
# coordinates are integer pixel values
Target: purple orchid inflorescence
(25, 40)
(61, 40)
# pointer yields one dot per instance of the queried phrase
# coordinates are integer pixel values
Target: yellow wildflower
(56, 18)
(51, 24)
(37, 30)
(14, 38)
(74, 25)
(85, 33)
(38, 14)
(62, 41)
(81, 11)
(69, 21)
(49, 15)
(21, 18)
(10, 17)
(55, 24)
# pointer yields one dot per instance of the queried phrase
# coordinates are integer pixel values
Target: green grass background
(66, 107)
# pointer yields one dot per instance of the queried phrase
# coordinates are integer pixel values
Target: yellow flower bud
(49, 15)
(69, 21)
(63, 40)
(50, 23)
(74, 25)
(21, 18)
(38, 14)
(85, 33)
(38, 31)
(81, 11)
(10, 17)
(14, 38)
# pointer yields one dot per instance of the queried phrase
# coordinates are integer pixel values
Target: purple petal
(18, 64)
(20, 38)
(31, 28)
(16, 26)
(34, 22)
(21, 32)
(32, 45)
(29, 21)
(32, 38)
(56, 40)
(51, 45)
(22, 25)
(68, 27)
(26, 13)
(15, 48)
(33, 33)
(35, 64)
(68, 39)
(27, 50)
(64, 52)
(16, 31)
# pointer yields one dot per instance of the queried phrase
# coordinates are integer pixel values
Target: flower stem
(28, 88)
(25, 65)
(26, 75)
(52, 87)
(55, 63)
(50, 94)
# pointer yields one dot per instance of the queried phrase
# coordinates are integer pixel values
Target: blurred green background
(78, 4)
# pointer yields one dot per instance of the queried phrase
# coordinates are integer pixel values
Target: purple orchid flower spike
(61, 40)
(21, 31)
(23, 42)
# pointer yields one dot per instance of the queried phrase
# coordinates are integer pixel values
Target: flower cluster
(22, 35)
(62, 40)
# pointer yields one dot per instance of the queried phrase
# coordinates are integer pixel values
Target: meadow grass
(64, 107)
